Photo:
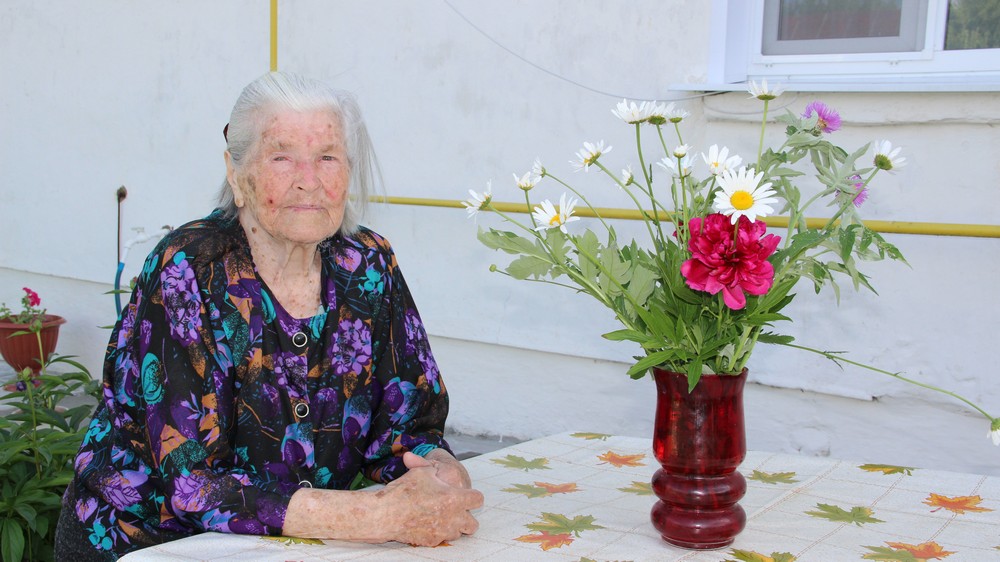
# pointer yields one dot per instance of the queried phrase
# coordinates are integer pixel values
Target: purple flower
(352, 350)
(348, 258)
(860, 191)
(180, 300)
(828, 119)
(291, 371)
(193, 493)
(118, 491)
(85, 508)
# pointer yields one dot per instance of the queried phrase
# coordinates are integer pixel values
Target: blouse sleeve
(173, 394)
(414, 402)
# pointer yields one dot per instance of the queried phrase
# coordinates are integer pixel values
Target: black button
(300, 339)
(306, 484)
(302, 409)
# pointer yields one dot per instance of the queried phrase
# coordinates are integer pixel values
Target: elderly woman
(270, 357)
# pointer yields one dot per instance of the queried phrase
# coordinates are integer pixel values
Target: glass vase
(699, 440)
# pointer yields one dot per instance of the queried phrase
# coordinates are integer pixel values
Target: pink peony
(719, 264)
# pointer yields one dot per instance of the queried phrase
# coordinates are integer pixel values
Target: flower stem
(763, 125)
(837, 359)
(583, 198)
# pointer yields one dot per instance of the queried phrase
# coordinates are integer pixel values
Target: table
(576, 497)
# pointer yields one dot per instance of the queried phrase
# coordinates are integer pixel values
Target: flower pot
(699, 440)
(22, 351)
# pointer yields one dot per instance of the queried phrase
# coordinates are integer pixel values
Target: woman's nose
(307, 176)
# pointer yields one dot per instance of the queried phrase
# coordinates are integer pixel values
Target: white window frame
(736, 57)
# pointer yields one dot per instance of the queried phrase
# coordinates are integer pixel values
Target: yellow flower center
(554, 221)
(741, 200)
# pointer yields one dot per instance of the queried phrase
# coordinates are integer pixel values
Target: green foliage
(773, 477)
(857, 515)
(640, 281)
(555, 523)
(514, 461)
(39, 438)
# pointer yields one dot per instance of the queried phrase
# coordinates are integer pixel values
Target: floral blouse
(218, 405)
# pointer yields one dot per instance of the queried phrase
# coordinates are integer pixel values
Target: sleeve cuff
(423, 449)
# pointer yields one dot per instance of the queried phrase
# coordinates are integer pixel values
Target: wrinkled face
(295, 187)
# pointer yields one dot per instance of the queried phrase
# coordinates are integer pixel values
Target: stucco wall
(101, 94)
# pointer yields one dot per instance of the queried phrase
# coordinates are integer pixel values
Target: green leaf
(12, 534)
(649, 361)
(628, 335)
(591, 436)
(888, 469)
(886, 554)
(506, 241)
(857, 515)
(751, 556)
(590, 246)
(639, 488)
(528, 490)
(773, 477)
(528, 266)
(555, 523)
(772, 338)
(521, 463)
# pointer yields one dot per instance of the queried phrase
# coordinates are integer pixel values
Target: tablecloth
(579, 497)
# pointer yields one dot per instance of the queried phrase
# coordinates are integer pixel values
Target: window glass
(796, 27)
(973, 24)
(846, 19)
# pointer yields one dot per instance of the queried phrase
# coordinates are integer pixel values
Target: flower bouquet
(710, 281)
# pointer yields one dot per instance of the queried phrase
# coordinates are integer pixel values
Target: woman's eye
(279, 159)
(329, 158)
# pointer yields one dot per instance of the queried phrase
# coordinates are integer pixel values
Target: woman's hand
(426, 508)
(428, 505)
(448, 468)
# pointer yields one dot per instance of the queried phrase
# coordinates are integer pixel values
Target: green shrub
(39, 439)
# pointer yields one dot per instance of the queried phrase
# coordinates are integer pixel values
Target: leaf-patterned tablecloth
(585, 496)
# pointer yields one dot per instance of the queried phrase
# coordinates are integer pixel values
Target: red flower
(719, 264)
(32, 297)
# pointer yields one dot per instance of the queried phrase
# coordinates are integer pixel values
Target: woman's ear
(238, 198)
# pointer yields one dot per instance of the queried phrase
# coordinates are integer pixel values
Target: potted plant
(18, 330)
(709, 280)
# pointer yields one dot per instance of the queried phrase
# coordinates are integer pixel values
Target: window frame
(735, 57)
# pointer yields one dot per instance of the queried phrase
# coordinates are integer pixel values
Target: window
(860, 44)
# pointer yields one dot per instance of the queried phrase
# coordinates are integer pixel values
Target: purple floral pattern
(211, 418)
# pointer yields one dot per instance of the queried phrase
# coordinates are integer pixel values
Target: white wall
(96, 95)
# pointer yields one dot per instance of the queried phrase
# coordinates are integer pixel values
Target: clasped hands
(435, 499)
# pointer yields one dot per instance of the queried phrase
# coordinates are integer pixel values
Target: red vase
(22, 351)
(699, 440)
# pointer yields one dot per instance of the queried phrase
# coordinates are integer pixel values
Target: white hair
(280, 91)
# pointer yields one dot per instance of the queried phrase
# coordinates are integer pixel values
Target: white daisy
(478, 202)
(670, 164)
(589, 155)
(547, 216)
(994, 433)
(627, 177)
(719, 160)
(886, 157)
(762, 92)
(681, 151)
(630, 112)
(675, 115)
(537, 169)
(656, 113)
(740, 195)
(527, 181)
